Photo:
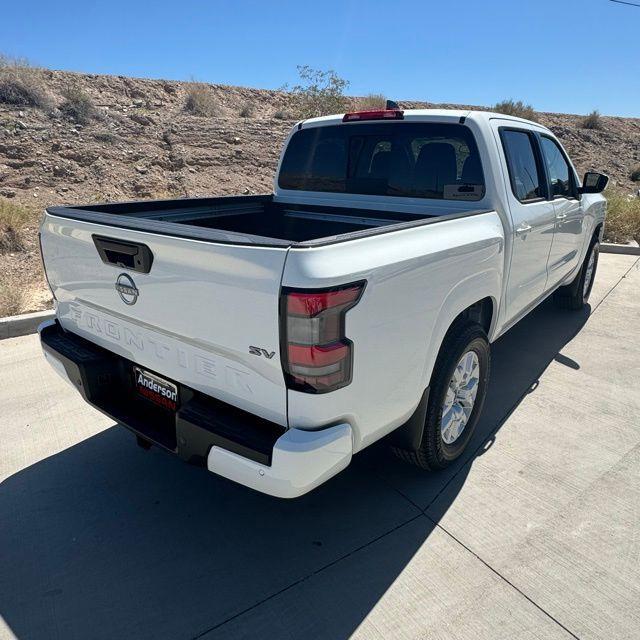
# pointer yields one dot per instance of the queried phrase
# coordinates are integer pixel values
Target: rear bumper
(302, 460)
(230, 442)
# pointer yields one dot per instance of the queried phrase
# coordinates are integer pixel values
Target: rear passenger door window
(558, 169)
(524, 170)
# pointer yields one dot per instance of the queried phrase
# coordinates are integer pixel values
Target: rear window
(423, 160)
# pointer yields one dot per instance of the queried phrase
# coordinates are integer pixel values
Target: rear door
(205, 314)
(568, 238)
(532, 215)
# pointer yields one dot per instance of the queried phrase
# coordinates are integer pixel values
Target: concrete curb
(14, 326)
(627, 249)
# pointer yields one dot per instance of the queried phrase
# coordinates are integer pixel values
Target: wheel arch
(483, 312)
(476, 298)
(598, 231)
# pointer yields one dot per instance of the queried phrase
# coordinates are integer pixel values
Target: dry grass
(22, 85)
(200, 100)
(11, 299)
(592, 121)
(106, 137)
(516, 108)
(21, 282)
(372, 102)
(78, 105)
(13, 219)
(623, 218)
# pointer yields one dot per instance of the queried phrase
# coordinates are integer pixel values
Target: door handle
(523, 228)
(124, 254)
(561, 216)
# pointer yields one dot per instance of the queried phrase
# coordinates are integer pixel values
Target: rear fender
(484, 284)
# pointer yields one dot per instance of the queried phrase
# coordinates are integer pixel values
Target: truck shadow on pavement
(104, 540)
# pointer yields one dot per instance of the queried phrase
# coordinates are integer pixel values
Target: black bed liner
(256, 220)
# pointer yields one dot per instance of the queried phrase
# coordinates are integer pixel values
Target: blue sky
(559, 55)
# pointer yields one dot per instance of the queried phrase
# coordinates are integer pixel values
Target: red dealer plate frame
(151, 386)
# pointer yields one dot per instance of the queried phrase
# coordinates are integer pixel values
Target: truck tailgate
(191, 318)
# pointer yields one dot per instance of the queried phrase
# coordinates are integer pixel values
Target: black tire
(574, 296)
(433, 452)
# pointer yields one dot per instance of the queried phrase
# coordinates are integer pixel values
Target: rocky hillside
(140, 142)
(143, 143)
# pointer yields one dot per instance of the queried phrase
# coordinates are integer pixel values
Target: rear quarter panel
(418, 281)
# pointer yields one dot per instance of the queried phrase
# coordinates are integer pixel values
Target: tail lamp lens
(318, 356)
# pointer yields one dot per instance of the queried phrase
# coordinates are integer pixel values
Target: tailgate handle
(125, 255)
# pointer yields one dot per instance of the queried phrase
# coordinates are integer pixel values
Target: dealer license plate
(157, 389)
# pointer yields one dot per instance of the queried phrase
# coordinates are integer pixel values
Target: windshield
(424, 160)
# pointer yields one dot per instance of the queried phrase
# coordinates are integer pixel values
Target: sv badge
(257, 351)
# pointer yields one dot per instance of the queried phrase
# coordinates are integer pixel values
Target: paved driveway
(534, 534)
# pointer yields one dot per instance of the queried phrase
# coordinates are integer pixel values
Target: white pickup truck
(271, 337)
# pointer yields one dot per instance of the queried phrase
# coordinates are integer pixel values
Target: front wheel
(457, 393)
(574, 296)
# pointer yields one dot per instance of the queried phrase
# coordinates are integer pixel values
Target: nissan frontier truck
(272, 337)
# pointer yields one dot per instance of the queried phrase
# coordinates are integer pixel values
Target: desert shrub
(22, 85)
(13, 219)
(247, 110)
(10, 240)
(200, 100)
(78, 105)
(635, 174)
(318, 93)
(623, 217)
(281, 114)
(592, 121)
(11, 299)
(516, 108)
(372, 102)
(105, 136)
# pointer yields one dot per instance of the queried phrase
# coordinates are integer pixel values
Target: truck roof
(431, 115)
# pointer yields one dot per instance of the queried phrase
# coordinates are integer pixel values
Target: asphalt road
(535, 533)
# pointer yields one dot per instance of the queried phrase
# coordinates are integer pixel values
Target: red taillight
(317, 355)
(311, 304)
(379, 114)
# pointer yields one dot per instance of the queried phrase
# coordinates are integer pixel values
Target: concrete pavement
(535, 533)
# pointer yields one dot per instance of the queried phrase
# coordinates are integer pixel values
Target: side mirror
(594, 182)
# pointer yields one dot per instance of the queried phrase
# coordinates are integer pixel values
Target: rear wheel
(457, 393)
(575, 295)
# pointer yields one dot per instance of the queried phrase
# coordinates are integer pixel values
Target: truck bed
(246, 219)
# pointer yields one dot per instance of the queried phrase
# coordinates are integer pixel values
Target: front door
(533, 218)
(568, 238)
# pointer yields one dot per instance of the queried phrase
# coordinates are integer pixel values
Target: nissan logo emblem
(126, 288)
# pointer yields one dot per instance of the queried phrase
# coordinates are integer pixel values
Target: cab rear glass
(417, 160)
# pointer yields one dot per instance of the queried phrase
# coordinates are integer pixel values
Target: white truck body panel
(198, 309)
(417, 280)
